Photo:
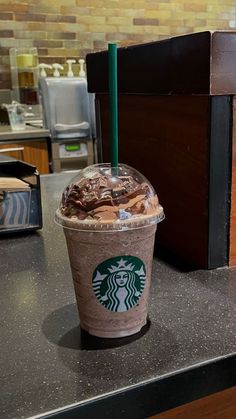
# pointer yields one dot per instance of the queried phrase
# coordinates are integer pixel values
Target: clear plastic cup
(109, 217)
(16, 114)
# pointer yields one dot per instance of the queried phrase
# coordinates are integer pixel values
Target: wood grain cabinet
(178, 127)
(34, 152)
(220, 405)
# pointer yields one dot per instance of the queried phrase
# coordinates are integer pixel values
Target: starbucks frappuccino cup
(109, 217)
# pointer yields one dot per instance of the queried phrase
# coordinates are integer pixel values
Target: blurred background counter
(31, 145)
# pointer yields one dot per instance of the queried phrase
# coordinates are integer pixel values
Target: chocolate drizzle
(102, 197)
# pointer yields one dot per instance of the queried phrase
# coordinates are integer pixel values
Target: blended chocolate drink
(109, 218)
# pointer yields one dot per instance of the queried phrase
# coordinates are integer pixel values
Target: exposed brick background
(62, 29)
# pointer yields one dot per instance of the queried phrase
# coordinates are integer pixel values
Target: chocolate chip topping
(84, 198)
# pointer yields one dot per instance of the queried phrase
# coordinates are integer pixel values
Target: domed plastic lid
(102, 198)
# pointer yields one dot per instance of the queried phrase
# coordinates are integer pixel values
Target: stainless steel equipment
(68, 114)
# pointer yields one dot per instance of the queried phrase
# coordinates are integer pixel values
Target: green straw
(113, 104)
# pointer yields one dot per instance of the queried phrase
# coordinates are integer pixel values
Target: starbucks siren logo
(118, 282)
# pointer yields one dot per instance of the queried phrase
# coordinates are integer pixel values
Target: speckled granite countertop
(48, 365)
(6, 133)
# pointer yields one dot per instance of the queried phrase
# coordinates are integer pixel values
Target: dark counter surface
(47, 364)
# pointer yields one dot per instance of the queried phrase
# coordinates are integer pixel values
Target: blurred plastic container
(24, 75)
(16, 114)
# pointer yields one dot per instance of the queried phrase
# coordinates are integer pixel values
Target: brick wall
(62, 29)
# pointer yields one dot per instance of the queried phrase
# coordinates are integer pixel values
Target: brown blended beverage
(109, 222)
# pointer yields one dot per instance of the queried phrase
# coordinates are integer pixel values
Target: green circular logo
(118, 282)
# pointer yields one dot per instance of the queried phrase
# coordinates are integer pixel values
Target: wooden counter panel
(37, 152)
(232, 247)
(166, 138)
(33, 152)
(220, 405)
